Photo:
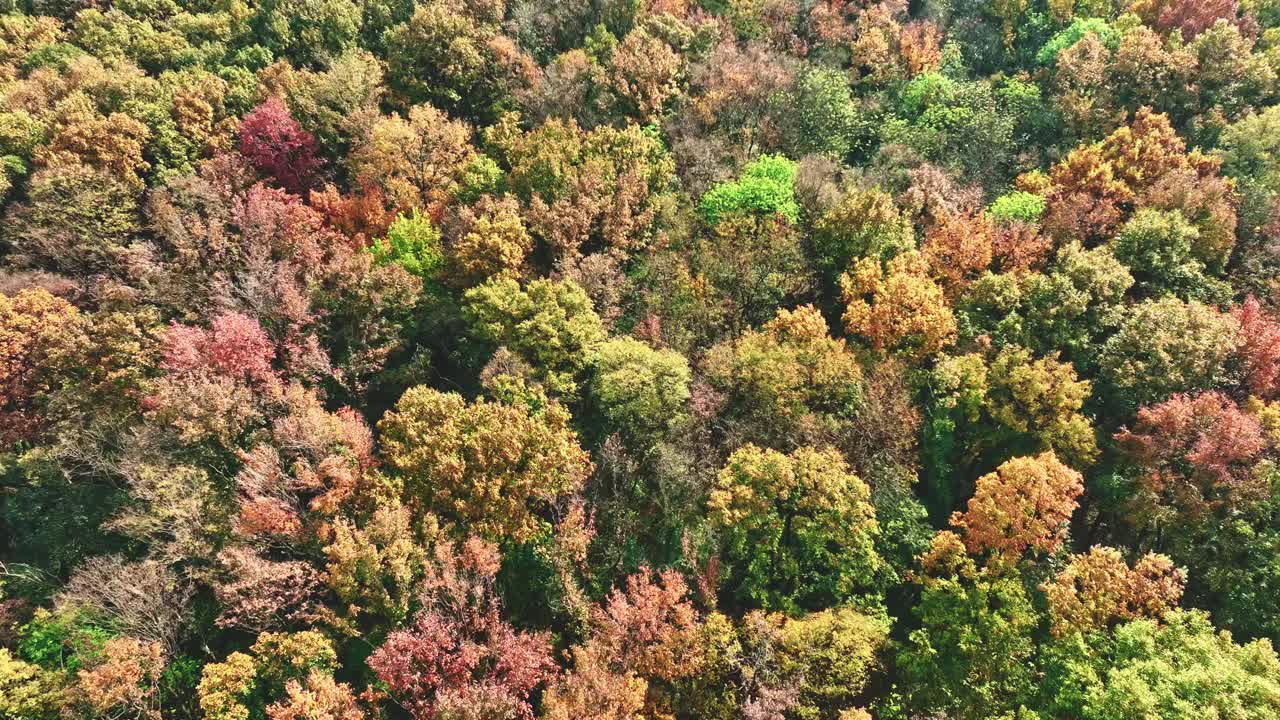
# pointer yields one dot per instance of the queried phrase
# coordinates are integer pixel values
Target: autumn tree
(1098, 589)
(39, 335)
(897, 307)
(374, 565)
(458, 652)
(644, 72)
(959, 248)
(126, 679)
(834, 653)
(276, 144)
(586, 190)
(1087, 200)
(28, 689)
(1259, 348)
(490, 239)
(451, 54)
(1042, 399)
(1025, 505)
(486, 465)
(756, 264)
(259, 680)
(418, 159)
(1194, 456)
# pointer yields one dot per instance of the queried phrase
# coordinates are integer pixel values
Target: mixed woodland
(639, 359)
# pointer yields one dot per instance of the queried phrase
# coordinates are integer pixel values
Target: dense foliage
(640, 360)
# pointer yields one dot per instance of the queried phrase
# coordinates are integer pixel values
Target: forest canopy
(639, 360)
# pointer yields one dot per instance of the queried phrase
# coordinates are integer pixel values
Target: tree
(1087, 199)
(1042, 399)
(1157, 247)
(1017, 205)
(1098, 589)
(40, 335)
(234, 346)
(584, 190)
(786, 381)
(1190, 18)
(826, 118)
(551, 325)
(144, 599)
(276, 144)
(1164, 347)
(413, 243)
(755, 266)
(76, 220)
(798, 531)
(1194, 456)
(458, 652)
(1179, 668)
(959, 248)
(897, 307)
(125, 681)
(451, 54)
(833, 652)
(112, 144)
(972, 655)
(418, 160)
(374, 567)
(1076, 304)
(318, 697)
(642, 391)
(1025, 505)
(310, 31)
(766, 187)
(488, 466)
(863, 224)
(259, 594)
(1145, 150)
(649, 628)
(592, 692)
(29, 691)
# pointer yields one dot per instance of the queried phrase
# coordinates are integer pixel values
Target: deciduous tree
(487, 465)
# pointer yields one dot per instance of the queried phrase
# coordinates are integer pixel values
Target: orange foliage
(898, 308)
(958, 248)
(1024, 505)
(38, 334)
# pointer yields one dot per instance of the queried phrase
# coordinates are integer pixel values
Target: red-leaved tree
(1259, 348)
(276, 144)
(1194, 455)
(458, 651)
